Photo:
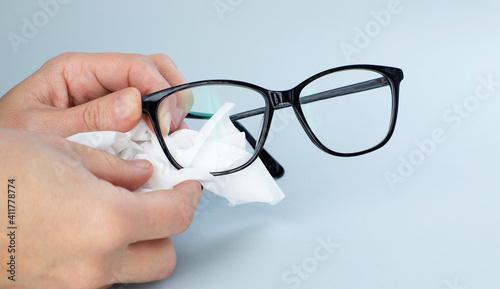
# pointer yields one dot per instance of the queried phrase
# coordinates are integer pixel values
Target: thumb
(117, 111)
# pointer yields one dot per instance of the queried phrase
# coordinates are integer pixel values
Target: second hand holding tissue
(196, 148)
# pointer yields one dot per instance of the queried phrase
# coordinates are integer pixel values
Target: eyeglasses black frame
(281, 99)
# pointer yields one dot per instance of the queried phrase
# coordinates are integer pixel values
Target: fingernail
(142, 164)
(165, 121)
(178, 115)
(124, 104)
(165, 116)
(188, 102)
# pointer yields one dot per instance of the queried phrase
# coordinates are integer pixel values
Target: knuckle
(64, 158)
(93, 274)
(145, 61)
(163, 58)
(168, 266)
(110, 161)
(107, 239)
(60, 144)
(186, 210)
(110, 229)
(152, 79)
(61, 58)
(91, 117)
(66, 55)
(31, 122)
(58, 141)
(188, 219)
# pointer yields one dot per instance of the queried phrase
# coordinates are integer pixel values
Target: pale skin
(80, 224)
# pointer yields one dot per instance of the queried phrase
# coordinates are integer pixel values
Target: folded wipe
(194, 149)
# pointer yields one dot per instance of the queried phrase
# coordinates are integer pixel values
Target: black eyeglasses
(345, 111)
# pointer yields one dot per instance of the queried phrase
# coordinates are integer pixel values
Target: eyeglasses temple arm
(353, 88)
(271, 164)
(275, 169)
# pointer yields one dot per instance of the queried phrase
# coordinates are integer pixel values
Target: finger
(146, 261)
(167, 68)
(183, 125)
(171, 117)
(117, 111)
(184, 99)
(91, 75)
(127, 174)
(161, 214)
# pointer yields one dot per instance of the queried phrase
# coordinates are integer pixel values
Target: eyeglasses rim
(393, 74)
(152, 101)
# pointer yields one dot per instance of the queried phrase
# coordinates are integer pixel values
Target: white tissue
(253, 184)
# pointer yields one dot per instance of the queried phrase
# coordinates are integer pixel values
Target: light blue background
(439, 228)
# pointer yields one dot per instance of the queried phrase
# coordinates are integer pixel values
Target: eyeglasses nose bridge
(280, 99)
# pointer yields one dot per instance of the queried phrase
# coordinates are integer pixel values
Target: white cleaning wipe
(253, 184)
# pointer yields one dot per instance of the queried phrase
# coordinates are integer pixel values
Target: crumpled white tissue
(252, 184)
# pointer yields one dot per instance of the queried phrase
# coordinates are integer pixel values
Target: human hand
(80, 92)
(79, 224)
